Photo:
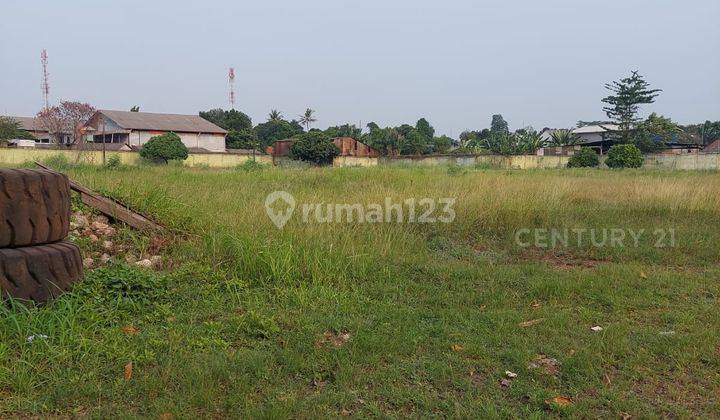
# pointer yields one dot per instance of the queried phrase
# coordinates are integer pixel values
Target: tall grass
(236, 330)
(226, 208)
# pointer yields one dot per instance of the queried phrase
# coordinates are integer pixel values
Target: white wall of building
(210, 142)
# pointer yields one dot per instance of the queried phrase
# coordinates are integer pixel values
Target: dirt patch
(334, 339)
(477, 378)
(561, 260)
(549, 365)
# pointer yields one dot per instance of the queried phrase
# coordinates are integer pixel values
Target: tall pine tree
(624, 103)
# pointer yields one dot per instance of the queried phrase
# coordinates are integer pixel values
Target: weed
(113, 162)
(251, 165)
(123, 287)
(456, 170)
(58, 162)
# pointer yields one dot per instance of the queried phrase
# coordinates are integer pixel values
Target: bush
(584, 158)
(314, 147)
(250, 165)
(58, 162)
(113, 162)
(456, 170)
(624, 156)
(161, 149)
(122, 287)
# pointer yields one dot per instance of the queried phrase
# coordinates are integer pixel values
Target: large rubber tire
(34, 207)
(40, 272)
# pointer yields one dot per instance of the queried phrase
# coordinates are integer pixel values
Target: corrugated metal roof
(162, 122)
(589, 129)
(27, 123)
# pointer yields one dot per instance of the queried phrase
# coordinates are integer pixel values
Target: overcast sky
(455, 62)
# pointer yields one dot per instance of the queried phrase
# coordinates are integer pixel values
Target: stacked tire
(36, 262)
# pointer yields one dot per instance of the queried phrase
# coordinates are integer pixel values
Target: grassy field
(387, 319)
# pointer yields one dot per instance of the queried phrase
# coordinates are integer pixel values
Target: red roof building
(713, 147)
(280, 148)
(350, 147)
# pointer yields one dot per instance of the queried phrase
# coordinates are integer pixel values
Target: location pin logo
(279, 213)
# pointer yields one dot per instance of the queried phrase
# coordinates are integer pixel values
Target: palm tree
(275, 115)
(529, 141)
(308, 118)
(564, 137)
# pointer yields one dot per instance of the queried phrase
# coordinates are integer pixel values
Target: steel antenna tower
(45, 86)
(231, 83)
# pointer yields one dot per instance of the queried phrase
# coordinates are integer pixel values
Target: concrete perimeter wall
(486, 161)
(214, 160)
(688, 161)
(341, 161)
(703, 161)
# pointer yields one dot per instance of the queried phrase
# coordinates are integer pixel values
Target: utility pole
(103, 138)
(231, 84)
(45, 84)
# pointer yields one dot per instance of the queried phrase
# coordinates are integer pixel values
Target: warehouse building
(135, 129)
(33, 126)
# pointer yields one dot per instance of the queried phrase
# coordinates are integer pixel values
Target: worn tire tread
(34, 207)
(39, 273)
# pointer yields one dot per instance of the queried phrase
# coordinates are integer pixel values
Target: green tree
(308, 118)
(502, 143)
(414, 143)
(242, 139)
(499, 125)
(275, 115)
(11, 129)
(314, 147)
(528, 141)
(425, 129)
(295, 124)
(623, 104)
(165, 147)
(710, 131)
(703, 133)
(655, 132)
(345, 130)
(273, 130)
(228, 120)
(468, 140)
(385, 140)
(442, 144)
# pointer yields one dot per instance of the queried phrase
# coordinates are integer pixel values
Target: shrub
(122, 287)
(58, 162)
(624, 156)
(456, 170)
(113, 162)
(314, 147)
(161, 149)
(584, 158)
(250, 165)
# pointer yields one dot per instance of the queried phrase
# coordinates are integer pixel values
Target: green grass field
(386, 319)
